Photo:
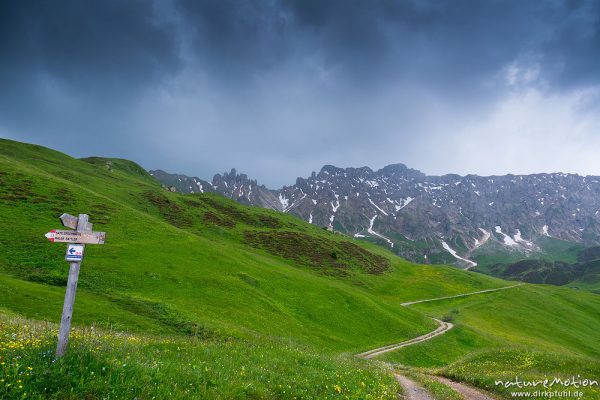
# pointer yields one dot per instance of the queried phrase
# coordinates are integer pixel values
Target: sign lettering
(63, 236)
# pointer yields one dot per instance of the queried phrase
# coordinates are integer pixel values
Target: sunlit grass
(105, 364)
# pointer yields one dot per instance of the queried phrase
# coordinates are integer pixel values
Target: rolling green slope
(183, 262)
(204, 272)
(522, 331)
(200, 262)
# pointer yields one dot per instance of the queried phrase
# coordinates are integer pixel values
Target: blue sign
(74, 252)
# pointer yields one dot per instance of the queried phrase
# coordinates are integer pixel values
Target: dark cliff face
(418, 215)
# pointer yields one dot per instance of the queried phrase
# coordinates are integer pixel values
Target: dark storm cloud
(572, 52)
(277, 88)
(86, 45)
(451, 43)
(72, 68)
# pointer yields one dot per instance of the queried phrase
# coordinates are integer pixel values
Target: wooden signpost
(77, 239)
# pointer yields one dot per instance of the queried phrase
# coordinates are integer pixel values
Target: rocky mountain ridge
(447, 218)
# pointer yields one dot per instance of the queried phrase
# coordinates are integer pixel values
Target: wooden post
(67, 313)
(76, 239)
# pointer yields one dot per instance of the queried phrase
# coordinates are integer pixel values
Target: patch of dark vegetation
(169, 209)
(586, 270)
(39, 270)
(165, 315)
(46, 278)
(236, 214)
(266, 221)
(62, 199)
(328, 256)
(210, 217)
(63, 194)
(16, 189)
(39, 199)
(450, 316)
(369, 262)
(67, 175)
(152, 275)
(249, 280)
(101, 213)
(589, 254)
(193, 203)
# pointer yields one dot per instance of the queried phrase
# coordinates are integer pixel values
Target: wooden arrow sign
(56, 235)
(69, 221)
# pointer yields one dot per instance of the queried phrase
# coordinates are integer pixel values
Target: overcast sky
(276, 89)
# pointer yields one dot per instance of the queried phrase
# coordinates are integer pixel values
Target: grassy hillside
(104, 364)
(197, 263)
(584, 273)
(206, 274)
(517, 331)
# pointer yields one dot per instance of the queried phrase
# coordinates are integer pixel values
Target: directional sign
(69, 221)
(75, 239)
(56, 235)
(75, 252)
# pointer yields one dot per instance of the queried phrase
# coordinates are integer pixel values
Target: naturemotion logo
(547, 383)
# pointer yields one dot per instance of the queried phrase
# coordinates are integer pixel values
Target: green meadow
(197, 296)
(531, 331)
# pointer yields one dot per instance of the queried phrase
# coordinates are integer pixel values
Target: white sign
(56, 235)
(74, 252)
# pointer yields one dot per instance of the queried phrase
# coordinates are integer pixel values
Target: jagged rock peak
(333, 170)
(330, 170)
(401, 169)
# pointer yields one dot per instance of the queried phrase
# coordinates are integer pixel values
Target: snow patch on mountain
(483, 240)
(377, 207)
(379, 235)
(455, 255)
(508, 241)
(284, 201)
(545, 230)
(337, 203)
(403, 203)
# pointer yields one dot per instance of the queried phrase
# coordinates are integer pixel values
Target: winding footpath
(414, 391)
(467, 392)
(441, 329)
(409, 303)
